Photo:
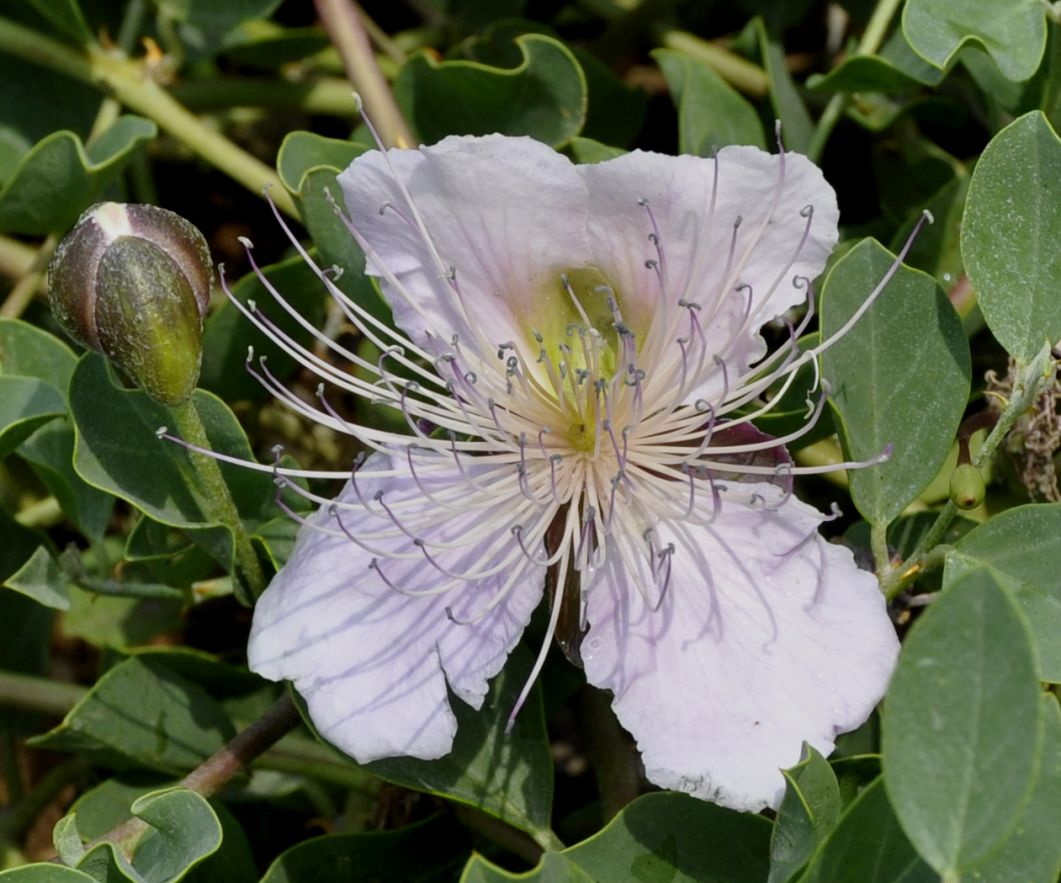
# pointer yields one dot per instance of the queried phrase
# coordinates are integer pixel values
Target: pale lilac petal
(508, 214)
(696, 238)
(371, 663)
(766, 636)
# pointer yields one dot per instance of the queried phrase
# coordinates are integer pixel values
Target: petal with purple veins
(372, 651)
(766, 636)
(507, 214)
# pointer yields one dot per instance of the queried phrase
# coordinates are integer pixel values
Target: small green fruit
(133, 282)
(966, 487)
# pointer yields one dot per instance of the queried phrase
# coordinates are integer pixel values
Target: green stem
(216, 492)
(514, 840)
(329, 96)
(749, 78)
(878, 541)
(128, 82)
(1032, 379)
(38, 694)
(871, 40)
(16, 258)
(21, 296)
(342, 21)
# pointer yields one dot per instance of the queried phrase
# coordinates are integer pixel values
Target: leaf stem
(129, 83)
(342, 19)
(212, 774)
(42, 695)
(1032, 379)
(744, 75)
(216, 492)
(871, 40)
(878, 542)
(328, 95)
(16, 258)
(23, 292)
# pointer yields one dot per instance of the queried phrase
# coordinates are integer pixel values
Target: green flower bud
(966, 487)
(133, 282)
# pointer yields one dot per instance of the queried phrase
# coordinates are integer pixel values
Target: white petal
(696, 239)
(373, 663)
(507, 213)
(766, 636)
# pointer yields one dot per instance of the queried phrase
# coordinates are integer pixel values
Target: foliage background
(122, 630)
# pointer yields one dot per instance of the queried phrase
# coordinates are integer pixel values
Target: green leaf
(32, 352)
(302, 152)
(1022, 549)
(937, 249)
(1010, 232)
(797, 128)
(868, 846)
(185, 831)
(711, 113)
(205, 25)
(155, 475)
(808, 813)
(427, 852)
(107, 865)
(659, 837)
(899, 377)
(586, 151)
(962, 724)
(50, 451)
(140, 713)
(1012, 31)
(896, 69)
(1032, 853)
(545, 97)
(26, 404)
(227, 334)
(119, 623)
(60, 177)
(615, 112)
(41, 579)
(67, 841)
(508, 775)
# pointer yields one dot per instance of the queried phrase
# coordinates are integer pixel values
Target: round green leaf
(1012, 31)
(26, 404)
(1010, 232)
(545, 97)
(153, 474)
(32, 352)
(1022, 549)
(899, 377)
(185, 831)
(963, 724)
(60, 177)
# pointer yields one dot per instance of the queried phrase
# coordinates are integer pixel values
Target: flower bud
(133, 282)
(966, 487)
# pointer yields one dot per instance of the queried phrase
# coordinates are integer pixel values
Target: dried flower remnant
(1033, 442)
(578, 364)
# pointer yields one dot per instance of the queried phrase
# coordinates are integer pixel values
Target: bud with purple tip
(133, 282)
